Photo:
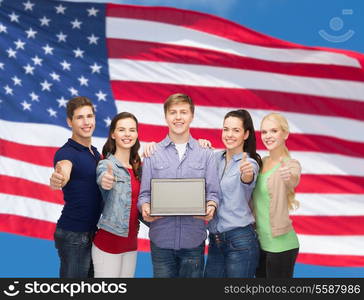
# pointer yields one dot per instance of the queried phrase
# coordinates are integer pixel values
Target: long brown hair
(250, 144)
(110, 145)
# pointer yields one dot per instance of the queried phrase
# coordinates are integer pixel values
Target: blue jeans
(234, 253)
(183, 263)
(74, 251)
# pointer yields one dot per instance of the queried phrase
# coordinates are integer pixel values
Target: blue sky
(327, 23)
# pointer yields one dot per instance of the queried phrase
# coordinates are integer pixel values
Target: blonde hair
(283, 124)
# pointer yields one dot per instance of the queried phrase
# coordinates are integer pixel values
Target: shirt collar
(236, 157)
(80, 147)
(115, 160)
(191, 143)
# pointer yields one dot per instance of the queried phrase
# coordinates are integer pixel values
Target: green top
(261, 202)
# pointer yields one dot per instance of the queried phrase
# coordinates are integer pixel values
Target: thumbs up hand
(57, 179)
(58, 168)
(108, 179)
(284, 170)
(246, 169)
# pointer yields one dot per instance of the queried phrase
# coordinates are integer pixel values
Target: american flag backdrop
(130, 58)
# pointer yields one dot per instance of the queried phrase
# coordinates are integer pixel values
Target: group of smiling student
(248, 198)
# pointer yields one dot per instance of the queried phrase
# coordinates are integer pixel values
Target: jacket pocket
(122, 183)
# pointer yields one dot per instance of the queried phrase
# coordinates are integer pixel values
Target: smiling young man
(178, 242)
(75, 173)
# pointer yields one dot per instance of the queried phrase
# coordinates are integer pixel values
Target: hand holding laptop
(146, 213)
(210, 211)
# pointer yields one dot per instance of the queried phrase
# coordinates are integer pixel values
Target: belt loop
(217, 237)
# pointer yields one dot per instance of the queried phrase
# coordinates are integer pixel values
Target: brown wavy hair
(110, 145)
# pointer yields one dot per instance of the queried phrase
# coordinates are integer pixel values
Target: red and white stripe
(222, 66)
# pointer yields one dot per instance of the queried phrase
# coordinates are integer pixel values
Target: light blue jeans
(234, 253)
(74, 251)
(183, 263)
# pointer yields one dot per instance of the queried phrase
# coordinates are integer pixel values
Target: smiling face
(179, 117)
(272, 134)
(125, 133)
(234, 135)
(82, 123)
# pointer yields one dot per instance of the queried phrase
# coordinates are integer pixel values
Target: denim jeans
(234, 253)
(183, 263)
(74, 251)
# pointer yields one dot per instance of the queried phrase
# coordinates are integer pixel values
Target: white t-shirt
(181, 149)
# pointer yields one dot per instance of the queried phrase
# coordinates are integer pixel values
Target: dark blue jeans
(183, 263)
(234, 253)
(74, 251)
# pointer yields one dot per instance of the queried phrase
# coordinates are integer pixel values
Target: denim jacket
(117, 201)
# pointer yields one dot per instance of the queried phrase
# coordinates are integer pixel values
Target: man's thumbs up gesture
(284, 171)
(107, 181)
(57, 179)
(246, 170)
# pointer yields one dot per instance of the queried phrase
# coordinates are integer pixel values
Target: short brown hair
(178, 98)
(77, 102)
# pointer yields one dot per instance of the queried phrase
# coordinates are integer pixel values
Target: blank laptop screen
(178, 196)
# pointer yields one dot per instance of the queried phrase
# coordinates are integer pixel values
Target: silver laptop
(172, 197)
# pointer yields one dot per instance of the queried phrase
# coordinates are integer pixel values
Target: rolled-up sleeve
(144, 195)
(212, 180)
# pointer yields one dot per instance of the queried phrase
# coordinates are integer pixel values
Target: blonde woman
(273, 197)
